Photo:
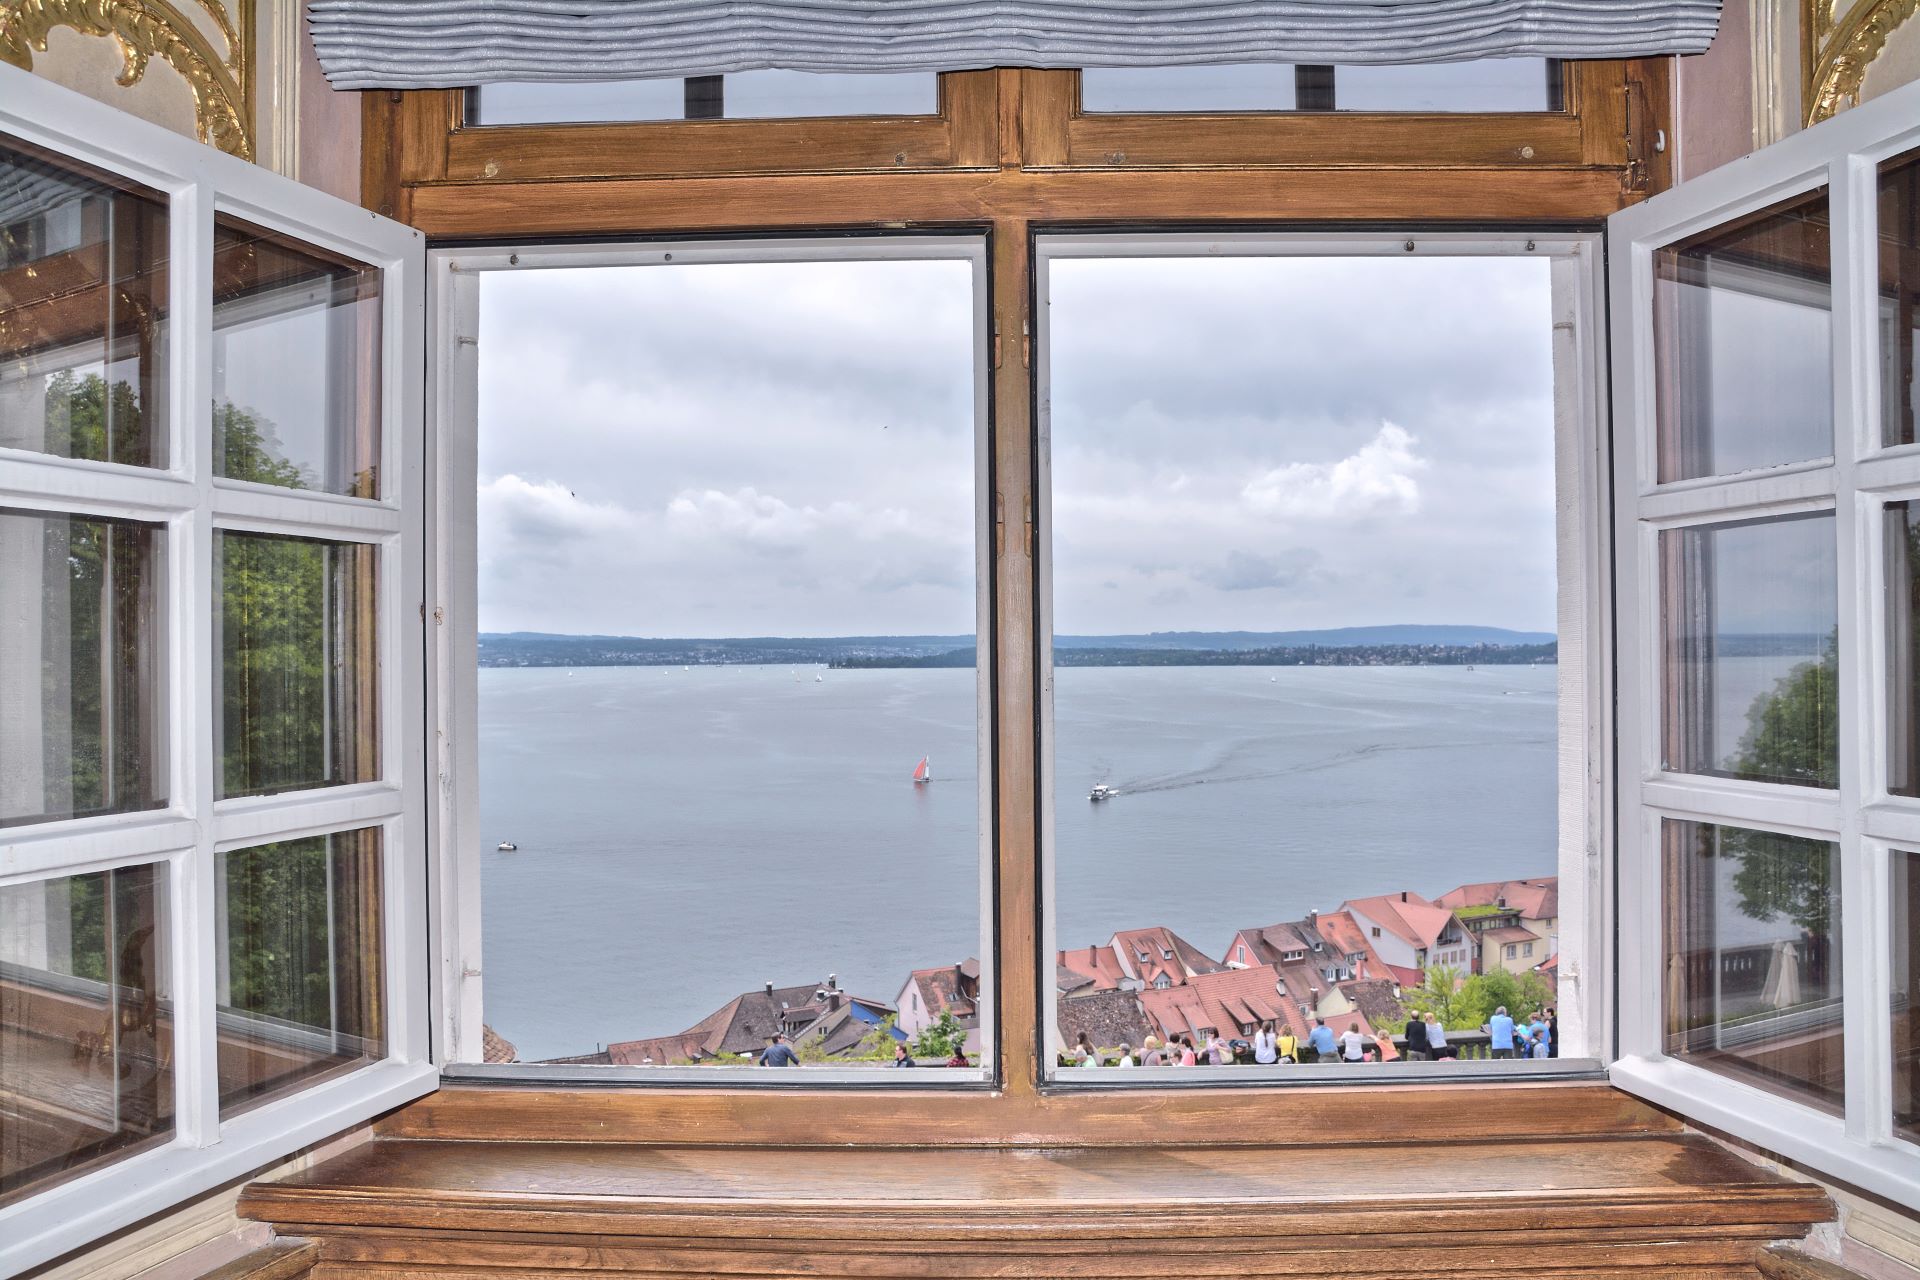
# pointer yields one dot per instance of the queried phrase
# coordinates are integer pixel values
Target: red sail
(920, 772)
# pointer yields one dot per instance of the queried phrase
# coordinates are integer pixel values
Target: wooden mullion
(1050, 101)
(1018, 967)
(970, 104)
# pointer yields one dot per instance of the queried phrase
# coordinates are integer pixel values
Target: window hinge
(999, 522)
(1027, 505)
(1639, 174)
(1026, 346)
(996, 346)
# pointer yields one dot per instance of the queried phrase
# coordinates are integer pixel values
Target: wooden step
(1659, 1204)
(281, 1260)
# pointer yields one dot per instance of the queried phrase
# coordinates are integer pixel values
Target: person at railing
(1288, 1048)
(1553, 1032)
(1383, 1043)
(1435, 1033)
(1266, 1046)
(1500, 1027)
(1319, 1042)
(1416, 1039)
(1154, 1055)
(779, 1053)
(1187, 1057)
(1353, 1045)
(1126, 1054)
(1537, 1030)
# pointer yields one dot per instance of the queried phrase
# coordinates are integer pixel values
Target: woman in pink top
(1187, 1058)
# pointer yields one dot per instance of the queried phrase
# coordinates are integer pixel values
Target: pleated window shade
(424, 44)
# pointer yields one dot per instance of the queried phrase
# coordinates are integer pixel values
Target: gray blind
(424, 44)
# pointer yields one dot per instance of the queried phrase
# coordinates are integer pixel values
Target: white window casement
(1761, 317)
(210, 653)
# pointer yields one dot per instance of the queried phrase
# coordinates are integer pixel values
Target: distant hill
(1398, 645)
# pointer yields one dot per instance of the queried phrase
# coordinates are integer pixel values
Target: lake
(688, 834)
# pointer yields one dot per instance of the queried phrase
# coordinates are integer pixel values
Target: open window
(1763, 342)
(212, 871)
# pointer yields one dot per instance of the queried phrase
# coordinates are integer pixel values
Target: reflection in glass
(1752, 958)
(81, 638)
(1742, 319)
(301, 992)
(83, 311)
(728, 689)
(1902, 535)
(738, 95)
(1905, 985)
(1899, 299)
(296, 364)
(299, 665)
(1485, 84)
(86, 1023)
(1748, 619)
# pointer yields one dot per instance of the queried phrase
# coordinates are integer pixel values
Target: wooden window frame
(1010, 166)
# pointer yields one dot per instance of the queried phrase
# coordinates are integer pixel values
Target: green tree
(1522, 994)
(1792, 736)
(1438, 994)
(940, 1039)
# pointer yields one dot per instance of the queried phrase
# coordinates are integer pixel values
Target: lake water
(686, 835)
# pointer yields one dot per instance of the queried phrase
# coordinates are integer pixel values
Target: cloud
(1379, 478)
(1247, 571)
(544, 511)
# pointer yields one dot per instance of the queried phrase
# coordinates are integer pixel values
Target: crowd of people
(1426, 1039)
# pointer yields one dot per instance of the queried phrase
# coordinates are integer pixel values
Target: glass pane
(1902, 531)
(1485, 84)
(1749, 618)
(1752, 958)
(1906, 986)
(729, 730)
(301, 993)
(1165, 90)
(83, 311)
(299, 663)
(1900, 299)
(1742, 319)
(296, 364)
(740, 95)
(1302, 535)
(86, 1025)
(81, 659)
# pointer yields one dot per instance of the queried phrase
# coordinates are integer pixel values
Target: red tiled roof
(1408, 916)
(1534, 899)
(1096, 964)
(1223, 1001)
(951, 989)
(1509, 933)
(1407, 978)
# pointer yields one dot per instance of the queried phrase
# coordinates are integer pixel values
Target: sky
(788, 449)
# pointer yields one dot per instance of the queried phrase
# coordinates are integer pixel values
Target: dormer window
(1162, 982)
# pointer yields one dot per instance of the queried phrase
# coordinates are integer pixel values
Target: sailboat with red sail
(921, 773)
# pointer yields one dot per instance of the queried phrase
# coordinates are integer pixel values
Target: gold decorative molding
(222, 87)
(1837, 48)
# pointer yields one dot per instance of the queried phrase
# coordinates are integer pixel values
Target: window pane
(1752, 958)
(1247, 87)
(1742, 318)
(1900, 299)
(1749, 616)
(1906, 985)
(301, 993)
(727, 542)
(296, 364)
(83, 311)
(81, 655)
(86, 1024)
(740, 95)
(1302, 535)
(1487, 84)
(1902, 532)
(299, 664)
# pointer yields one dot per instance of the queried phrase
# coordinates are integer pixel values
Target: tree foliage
(939, 1040)
(1439, 995)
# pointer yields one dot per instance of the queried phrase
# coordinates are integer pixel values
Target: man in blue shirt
(1500, 1027)
(1538, 1027)
(779, 1054)
(1321, 1040)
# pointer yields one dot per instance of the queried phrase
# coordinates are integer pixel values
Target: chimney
(833, 982)
(1313, 913)
(769, 988)
(833, 998)
(1403, 895)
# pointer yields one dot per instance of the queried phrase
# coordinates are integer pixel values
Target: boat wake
(1218, 773)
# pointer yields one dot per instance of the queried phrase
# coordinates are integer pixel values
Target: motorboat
(506, 846)
(1101, 791)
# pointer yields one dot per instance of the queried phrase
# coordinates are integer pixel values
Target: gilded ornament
(148, 29)
(1842, 48)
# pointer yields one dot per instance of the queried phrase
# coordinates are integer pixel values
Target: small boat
(819, 679)
(1101, 791)
(921, 773)
(506, 846)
